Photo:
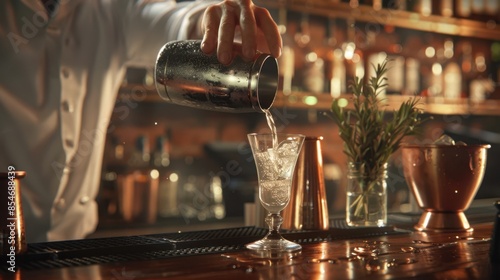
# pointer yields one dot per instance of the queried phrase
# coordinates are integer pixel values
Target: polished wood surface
(410, 255)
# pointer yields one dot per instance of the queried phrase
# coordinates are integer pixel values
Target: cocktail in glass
(275, 158)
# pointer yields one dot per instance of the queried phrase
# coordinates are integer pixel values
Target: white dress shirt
(58, 82)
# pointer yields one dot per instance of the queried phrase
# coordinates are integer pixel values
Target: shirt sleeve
(148, 25)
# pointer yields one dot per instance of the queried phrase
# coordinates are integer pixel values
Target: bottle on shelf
(200, 193)
(387, 4)
(138, 187)
(412, 76)
(481, 86)
(396, 74)
(452, 80)
(478, 7)
(463, 8)
(168, 178)
(287, 58)
(445, 8)
(335, 64)
(423, 7)
(494, 69)
(492, 8)
(314, 73)
(142, 153)
(452, 74)
(337, 74)
(113, 166)
(485, 10)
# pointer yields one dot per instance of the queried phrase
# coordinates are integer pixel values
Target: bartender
(62, 63)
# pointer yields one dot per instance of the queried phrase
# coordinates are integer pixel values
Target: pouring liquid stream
(272, 127)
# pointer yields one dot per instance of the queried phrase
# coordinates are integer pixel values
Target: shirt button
(67, 107)
(69, 143)
(65, 72)
(54, 29)
(66, 170)
(61, 204)
(84, 199)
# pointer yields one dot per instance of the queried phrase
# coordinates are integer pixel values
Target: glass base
(270, 246)
(273, 255)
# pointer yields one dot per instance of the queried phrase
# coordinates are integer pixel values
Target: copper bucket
(444, 180)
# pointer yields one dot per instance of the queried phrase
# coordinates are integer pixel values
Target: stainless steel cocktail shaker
(186, 76)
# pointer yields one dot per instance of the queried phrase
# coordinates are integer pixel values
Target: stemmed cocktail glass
(275, 158)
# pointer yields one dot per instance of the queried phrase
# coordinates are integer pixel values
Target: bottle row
(324, 54)
(470, 9)
(148, 184)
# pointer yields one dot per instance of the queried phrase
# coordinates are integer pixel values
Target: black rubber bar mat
(167, 245)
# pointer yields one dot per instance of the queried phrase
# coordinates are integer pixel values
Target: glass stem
(274, 221)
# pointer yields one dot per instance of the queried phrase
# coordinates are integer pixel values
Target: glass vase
(366, 196)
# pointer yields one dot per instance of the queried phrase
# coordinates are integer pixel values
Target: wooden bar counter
(343, 253)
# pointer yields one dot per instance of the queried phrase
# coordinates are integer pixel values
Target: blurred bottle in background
(138, 187)
(168, 180)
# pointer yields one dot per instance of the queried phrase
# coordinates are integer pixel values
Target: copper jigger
(308, 208)
(444, 180)
(11, 214)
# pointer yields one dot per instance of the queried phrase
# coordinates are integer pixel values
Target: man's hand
(223, 21)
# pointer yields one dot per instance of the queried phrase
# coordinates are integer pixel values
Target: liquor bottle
(113, 166)
(482, 85)
(494, 69)
(287, 58)
(431, 69)
(335, 71)
(463, 8)
(355, 3)
(387, 4)
(452, 77)
(485, 10)
(395, 74)
(478, 7)
(314, 73)
(445, 8)
(337, 75)
(141, 155)
(495, 239)
(138, 188)
(412, 77)
(168, 180)
(412, 45)
(452, 74)
(395, 4)
(423, 7)
(492, 9)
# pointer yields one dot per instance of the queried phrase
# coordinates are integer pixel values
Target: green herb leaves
(369, 136)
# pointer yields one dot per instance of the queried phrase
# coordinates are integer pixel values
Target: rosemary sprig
(369, 138)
